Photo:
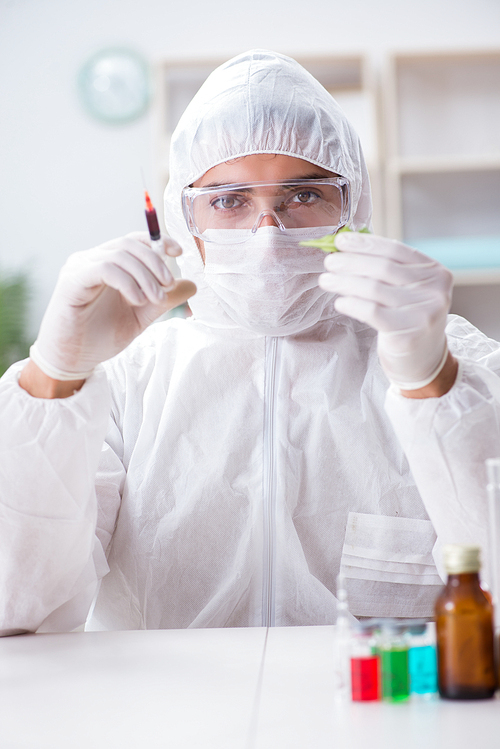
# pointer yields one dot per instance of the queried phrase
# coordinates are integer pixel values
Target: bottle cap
(367, 626)
(394, 626)
(461, 558)
(418, 628)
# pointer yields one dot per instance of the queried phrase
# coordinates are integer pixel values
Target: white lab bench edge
(244, 688)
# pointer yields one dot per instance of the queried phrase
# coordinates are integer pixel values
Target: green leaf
(327, 244)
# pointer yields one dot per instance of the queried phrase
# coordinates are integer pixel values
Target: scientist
(218, 471)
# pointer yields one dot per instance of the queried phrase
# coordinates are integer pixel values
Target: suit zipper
(269, 483)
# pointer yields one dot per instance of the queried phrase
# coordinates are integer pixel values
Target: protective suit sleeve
(448, 439)
(50, 557)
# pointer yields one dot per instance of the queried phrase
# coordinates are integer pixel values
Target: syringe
(155, 233)
(153, 225)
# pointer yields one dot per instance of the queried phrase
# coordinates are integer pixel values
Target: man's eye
(225, 202)
(305, 196)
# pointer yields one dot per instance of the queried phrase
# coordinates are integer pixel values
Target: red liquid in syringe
(152, 219)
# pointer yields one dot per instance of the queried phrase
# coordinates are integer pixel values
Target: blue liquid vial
(422, 660)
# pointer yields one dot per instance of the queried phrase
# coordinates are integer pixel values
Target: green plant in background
(14, 296)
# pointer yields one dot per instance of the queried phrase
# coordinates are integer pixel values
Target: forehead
(261, 168)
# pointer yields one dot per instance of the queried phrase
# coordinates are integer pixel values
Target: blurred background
(90, 91)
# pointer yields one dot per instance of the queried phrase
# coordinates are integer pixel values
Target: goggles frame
(190, 193)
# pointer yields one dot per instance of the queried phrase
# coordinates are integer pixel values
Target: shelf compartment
(431, 165)
(448, 105)
(451, 204)
(463, 254)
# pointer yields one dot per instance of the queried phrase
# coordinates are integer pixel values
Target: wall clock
(115, 85)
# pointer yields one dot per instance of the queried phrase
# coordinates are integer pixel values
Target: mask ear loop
(279, 223)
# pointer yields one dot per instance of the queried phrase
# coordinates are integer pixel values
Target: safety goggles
(291, 204)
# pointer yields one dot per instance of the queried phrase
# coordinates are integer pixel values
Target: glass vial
(365, 665)
(493, 488)
(422, 663)
(341, 670)
(464, 629)
(393, 648)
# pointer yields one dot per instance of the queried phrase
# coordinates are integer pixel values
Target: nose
(267, 218)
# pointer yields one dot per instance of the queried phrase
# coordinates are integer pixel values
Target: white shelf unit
(442, 115)
(442, 131)
(347, 77)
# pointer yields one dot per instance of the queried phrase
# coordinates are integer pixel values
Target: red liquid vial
(365, 664)
(365, 678)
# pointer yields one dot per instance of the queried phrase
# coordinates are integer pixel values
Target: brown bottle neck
(464, 579)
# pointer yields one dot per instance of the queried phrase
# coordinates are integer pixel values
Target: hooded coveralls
(239, 470)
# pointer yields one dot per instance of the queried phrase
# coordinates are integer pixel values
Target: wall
(69, 183)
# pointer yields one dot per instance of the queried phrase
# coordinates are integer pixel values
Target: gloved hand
(400, 292)
(103, 299)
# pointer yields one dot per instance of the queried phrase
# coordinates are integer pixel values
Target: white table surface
(210, 689)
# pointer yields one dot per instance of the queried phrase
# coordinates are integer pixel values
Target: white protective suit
(239, 470)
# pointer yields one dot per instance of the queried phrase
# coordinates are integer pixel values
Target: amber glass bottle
(464, 629)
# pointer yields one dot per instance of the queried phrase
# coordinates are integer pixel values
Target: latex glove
(400, 292)
(103, 299)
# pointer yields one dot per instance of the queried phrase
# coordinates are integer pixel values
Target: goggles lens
(291, 204)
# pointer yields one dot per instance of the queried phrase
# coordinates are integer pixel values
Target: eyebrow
(299, 178)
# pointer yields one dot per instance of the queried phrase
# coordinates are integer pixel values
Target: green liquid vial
(395, 674)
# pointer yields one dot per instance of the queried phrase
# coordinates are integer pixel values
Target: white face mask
(268, 284)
